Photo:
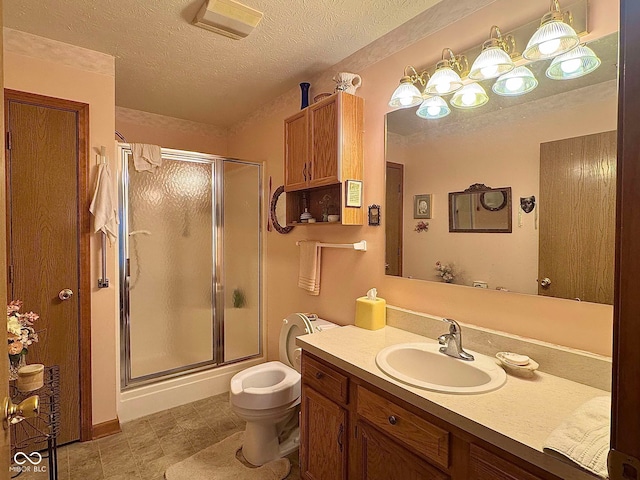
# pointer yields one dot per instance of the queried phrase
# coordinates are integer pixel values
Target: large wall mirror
(554, 149)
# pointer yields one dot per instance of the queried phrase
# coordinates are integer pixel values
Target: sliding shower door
(190, 265)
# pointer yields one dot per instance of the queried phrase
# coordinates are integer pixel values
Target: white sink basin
(422, 365)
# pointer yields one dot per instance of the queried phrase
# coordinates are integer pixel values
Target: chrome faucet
(452, 341)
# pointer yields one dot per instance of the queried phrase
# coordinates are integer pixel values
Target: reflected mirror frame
(481, 189)
(274, 216)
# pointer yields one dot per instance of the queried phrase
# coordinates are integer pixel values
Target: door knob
(12, 413)
(65, 294)
(545, 282)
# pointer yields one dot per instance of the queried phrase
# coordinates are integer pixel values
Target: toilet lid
(293, 326)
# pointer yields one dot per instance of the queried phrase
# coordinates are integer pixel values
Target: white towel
(103, 207)
(146, 157)
(583, 437)
(309, 275)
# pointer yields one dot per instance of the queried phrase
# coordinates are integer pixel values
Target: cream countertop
(517, 417)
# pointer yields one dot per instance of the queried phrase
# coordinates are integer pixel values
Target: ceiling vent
(228, 18)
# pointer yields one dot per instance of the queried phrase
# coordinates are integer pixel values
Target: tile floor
(147, 446)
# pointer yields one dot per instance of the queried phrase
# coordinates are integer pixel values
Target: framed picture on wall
(422, 206)
(353, 193)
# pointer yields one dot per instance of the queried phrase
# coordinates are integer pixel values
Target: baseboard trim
(105, 429)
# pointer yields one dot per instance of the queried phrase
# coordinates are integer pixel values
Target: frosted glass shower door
(170, 254)
(241, 240)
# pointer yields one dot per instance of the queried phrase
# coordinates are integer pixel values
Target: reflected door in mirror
(393, 230)
(578, 217)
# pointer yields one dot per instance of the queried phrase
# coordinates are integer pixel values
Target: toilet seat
(293, 326)
(265, 386)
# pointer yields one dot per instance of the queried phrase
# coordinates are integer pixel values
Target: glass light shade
(491, 63)
(405, 96)
(469, 96)
(553, 38)
(433, 107)
(578, 62)
(443, 82)
(518, 81)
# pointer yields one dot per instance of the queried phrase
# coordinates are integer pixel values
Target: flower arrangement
(445, 270)
(421, 226)
(20, 333)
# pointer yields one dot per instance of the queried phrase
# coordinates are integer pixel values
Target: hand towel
(146, 157)
(583, 437)
(309, 275)
(103, 207)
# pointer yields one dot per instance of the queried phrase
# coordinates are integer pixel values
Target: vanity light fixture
(446, 78)
(433, 108)
(554, 36)
(495, 59)
(518, 81)
(469, 96)
(578, 62)
(407, 94)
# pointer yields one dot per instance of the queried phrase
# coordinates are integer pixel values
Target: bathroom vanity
(357, 423)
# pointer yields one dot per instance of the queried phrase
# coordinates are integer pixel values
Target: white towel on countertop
(309, 274)
(583, 437)
(103, 206)
(146, 157)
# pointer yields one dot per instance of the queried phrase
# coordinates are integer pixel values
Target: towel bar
(361, 245)
(104, 281)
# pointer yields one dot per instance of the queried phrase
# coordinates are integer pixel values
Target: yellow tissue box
(371, 314)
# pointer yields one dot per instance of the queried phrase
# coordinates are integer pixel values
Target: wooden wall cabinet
(323, 146)
(350, 429)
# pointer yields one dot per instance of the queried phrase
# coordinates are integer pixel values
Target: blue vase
(304, 87)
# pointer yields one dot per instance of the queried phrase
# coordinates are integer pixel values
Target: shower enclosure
(190, 265)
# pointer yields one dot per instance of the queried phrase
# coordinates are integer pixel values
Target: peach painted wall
(169, 132)
(56, 77)
(346, 274)
(507, 260)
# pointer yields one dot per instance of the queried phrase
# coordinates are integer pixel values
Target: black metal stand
(37, 434)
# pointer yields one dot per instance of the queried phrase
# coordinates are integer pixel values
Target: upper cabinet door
(324, 129)
(296, 152)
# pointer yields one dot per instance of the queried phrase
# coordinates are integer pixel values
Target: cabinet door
(484, 465)
(381, 458)
(323, 434)
(296, 152)
(323, 120)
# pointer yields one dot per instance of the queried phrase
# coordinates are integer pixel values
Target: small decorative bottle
(304, 87)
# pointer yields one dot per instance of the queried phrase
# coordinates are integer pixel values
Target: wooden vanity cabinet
(323, 147)
(351, 429)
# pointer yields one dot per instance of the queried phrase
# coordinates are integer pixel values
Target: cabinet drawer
(325, 380)
(423, 437)
(484, 465)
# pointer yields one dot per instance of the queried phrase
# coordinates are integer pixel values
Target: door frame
(84, 238)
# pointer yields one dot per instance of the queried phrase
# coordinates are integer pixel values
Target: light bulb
(514, 84)
(570, 66)
(433, 111)
(550, 46)
(405, 101)
(443, 87)
(468, 98)
(489, 71)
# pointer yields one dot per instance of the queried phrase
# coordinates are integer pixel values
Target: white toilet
(267, 396)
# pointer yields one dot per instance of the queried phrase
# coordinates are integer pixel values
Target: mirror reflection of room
(555, 147)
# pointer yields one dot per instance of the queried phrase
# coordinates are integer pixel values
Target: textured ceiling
(167, 66)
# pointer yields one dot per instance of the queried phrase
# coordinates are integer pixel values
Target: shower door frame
(127, 382)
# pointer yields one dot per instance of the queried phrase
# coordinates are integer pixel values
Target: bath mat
(219, 462)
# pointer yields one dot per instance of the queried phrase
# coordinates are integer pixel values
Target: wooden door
(380, 458)
(296, 152)
(323, 125)
(577, 212)
(323, 431)
(5, 443)
(44, 250)
(394, 223)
